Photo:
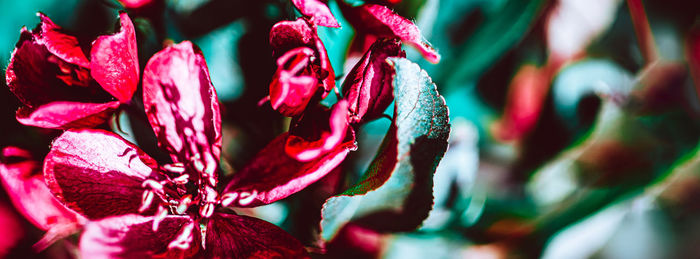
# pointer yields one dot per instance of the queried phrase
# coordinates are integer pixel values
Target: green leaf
(395, 193)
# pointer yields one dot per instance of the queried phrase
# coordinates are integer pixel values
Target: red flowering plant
(140, 208)
(129, 205)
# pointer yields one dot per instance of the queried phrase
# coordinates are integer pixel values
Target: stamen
(159, 217)
(156, 186)
(146, 200)
(212, 180)
(177, 168)
(247, 197)
(198, 165)
(228, 198)
(182, 180)
(207, 210)
(184, 204)
(183, 240)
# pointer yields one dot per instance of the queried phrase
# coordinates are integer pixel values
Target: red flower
(109, 180)
(304, 70)
(60, 87)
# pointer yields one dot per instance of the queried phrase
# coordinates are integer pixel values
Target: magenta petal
(114, 61)
(381, 21)
(233, 236)
(318, 11)
(182, 105)
(368, 86)
(288, 35)
(132, 236)
(62, 45)
(65, 115)
(273, 175)
(97, 173)
(24, 183)
(11, 230)
(291, 89)
(305, 149)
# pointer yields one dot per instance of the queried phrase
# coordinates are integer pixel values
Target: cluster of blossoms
(128, 205)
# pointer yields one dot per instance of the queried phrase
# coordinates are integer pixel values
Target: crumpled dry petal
(97, 173)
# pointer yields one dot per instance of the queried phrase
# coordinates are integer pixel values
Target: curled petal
(97, 173)
(368, 85)
(233, 236)
(381, 21)
(291, 90)
(273, 175)
(24, 183)
(308, 147)
(66, 115)
(318, 11)
(288, 35)
(182, 105)
(132, 236)
(58, 43)
(114, 61)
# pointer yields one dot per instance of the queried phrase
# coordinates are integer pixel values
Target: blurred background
(575, 124)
